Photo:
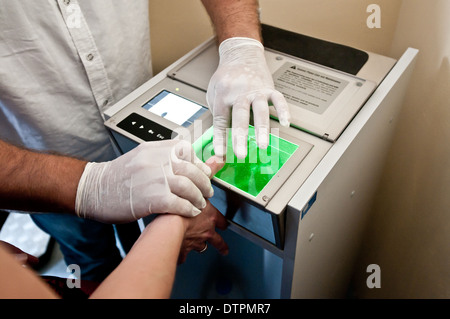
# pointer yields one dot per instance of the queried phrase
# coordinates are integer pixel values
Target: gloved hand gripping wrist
(155, 177)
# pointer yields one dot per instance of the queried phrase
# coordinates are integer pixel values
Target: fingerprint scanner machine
(290, 210)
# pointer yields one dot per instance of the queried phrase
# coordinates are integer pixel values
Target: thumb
(215, 163)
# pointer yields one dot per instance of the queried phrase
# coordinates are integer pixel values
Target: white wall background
(409, 235)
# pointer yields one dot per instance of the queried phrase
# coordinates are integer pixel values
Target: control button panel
(145, 129)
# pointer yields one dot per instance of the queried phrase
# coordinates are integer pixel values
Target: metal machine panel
(144, 120)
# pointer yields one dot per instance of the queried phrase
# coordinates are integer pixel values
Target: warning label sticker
(308, 88)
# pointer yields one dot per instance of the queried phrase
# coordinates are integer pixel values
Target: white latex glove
(155, 177)
(241, 81)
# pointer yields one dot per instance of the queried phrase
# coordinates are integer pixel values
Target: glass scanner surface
(252, 174)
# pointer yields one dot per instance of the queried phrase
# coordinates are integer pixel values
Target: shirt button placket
(91, 59)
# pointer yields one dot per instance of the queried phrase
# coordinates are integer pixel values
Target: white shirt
(63, 62)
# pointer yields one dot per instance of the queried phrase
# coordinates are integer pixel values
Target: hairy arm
(44, 182)
(234, 18)
(38, 182)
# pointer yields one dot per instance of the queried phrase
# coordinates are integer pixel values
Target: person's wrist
(65, 190)
(236, 42)
(175, 221)
(85, 189)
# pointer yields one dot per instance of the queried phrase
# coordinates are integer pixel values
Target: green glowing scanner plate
(261, 174)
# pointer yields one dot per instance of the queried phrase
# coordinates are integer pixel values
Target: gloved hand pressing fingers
(242, 81)
(155, 177)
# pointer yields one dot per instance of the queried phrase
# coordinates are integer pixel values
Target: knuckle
(183, 150)
(164, 203)
(184, 183)
(209, 233)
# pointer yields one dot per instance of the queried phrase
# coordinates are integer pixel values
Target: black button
(145, 129)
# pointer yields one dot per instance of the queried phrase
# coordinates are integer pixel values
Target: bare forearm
(37, 182)
(234, 18)
(148, 271)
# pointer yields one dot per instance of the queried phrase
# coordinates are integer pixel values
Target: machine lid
(322, 101)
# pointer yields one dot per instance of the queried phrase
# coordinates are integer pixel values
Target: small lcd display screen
(254, 172)
(175, 108)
